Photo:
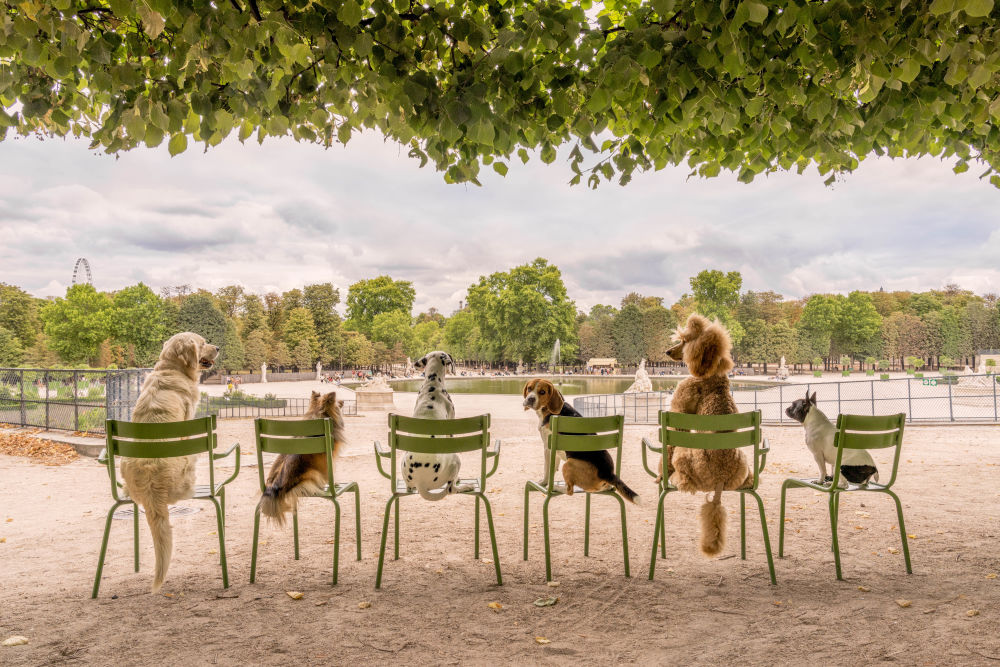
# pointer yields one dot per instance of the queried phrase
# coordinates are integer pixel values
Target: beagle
(591, 471)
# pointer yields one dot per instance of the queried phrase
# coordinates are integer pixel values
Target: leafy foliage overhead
(751, 86)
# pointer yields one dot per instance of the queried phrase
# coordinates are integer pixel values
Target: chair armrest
(234, 448)
(495, 455)
(648, 445)
(765, 447)
(382, 453)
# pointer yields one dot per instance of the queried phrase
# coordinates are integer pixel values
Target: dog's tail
(292, 479)
(623, 489)
(158, 518)
(713, 525)
(449, 489)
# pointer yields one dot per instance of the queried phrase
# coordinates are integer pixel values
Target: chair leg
(621, 502)
(385, 534)
(545, 530)
(767, 539)
(104, 547)
(527, 496)
(743, 526)
(357, 519)
(659, 528)
(493, 537)
(222, 502)
(395, 535)
(586, 529)
(663, 536)
(135, 535)
(836, 511)
(253, 551)
(902, 531)
(336, 540)
(781, 522)
(476, 538)
(222, 541)
(834, 506)
(295, 530)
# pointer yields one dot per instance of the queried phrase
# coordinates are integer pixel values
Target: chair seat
(870, 486)
(201, 491)
(560, 487)
(325, 491)
(472, 482)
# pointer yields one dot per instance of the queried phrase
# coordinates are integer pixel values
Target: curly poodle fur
(705, 347)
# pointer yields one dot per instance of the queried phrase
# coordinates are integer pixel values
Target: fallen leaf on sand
(487, 560)
(4, 539)
(439, 571)
(16, 640)
(295, 595)
(495, 606)
(9, 520)
(893, 550)
(991, 575)
(546, 602)
(904, 603)
(168, 595)
(331, 541)
(777, 603)
(972, 612)
(321, 603)
(364, 605)
(911, 536)
(553, 584)
(542, 640)
(864, 589)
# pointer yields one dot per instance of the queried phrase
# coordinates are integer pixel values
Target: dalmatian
(433, 476)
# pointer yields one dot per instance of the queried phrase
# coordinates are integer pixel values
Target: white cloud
(282, 215)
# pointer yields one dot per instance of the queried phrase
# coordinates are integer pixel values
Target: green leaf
(756, 12)
(152, 21)
(548, 154)
(908, 70)
(350, 13)
(939, 7)
(664, 7)
(599, 100)
(154, 136)
(500, 168)
(978, 7)
(178, 144)
(650, 58)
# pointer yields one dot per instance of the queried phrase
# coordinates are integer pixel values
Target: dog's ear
(528, 386)
(447, 362)
(813, 399)
(807, 394)
(420, 363)
(556, 401)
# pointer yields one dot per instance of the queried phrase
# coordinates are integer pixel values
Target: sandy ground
(433, 607)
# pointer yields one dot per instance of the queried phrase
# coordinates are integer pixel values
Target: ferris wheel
(82, 261)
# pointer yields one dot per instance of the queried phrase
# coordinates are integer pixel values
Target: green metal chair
(856, 432)
(308, 436)
(160, 441)
(437, 436)
(711, 432)
(578, 434)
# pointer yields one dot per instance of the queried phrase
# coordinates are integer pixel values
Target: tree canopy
(751, 86)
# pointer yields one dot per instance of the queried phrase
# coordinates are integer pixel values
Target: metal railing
(81, 400)
(74, 400)
(961, 398)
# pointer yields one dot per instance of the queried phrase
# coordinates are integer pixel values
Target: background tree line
(509, 316)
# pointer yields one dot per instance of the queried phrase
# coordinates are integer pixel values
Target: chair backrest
(439, 436)
(867, 432)
(741, 429)
(160, 440)
(585, 434)
(300, 436)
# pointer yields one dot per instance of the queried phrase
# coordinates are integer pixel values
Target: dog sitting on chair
(591, 471)
(427, 472)
(856, 465)
(169, 394)
(705, 347)
(295, 475)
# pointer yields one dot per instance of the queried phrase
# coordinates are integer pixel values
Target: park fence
(962, 398)
(81, 400)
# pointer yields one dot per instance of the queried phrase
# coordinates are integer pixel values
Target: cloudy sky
(282, 215)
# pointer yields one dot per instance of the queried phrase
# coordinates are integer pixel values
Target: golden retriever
(169, 394)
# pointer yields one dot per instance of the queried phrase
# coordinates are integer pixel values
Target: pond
(569, 385)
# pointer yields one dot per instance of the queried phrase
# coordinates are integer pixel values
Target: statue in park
(263, 373)
(642, 382)
(319, 371)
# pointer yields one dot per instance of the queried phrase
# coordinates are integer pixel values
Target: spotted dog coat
(425, 473)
